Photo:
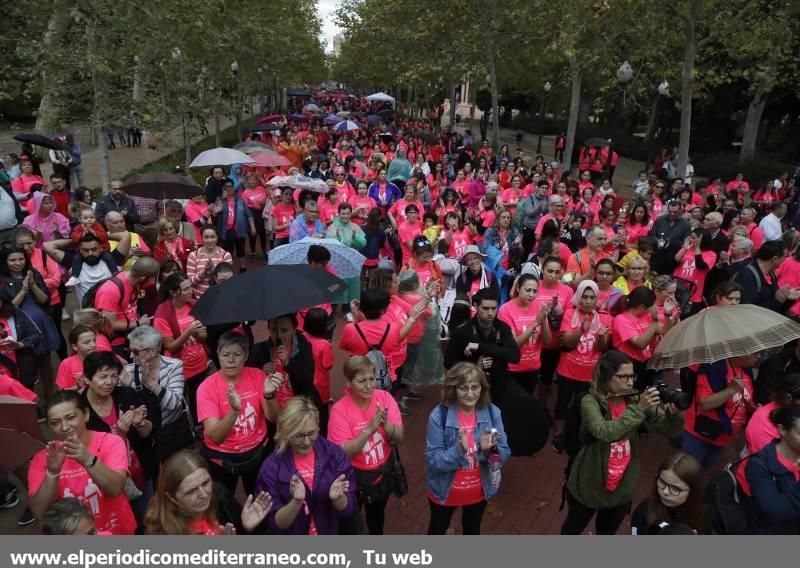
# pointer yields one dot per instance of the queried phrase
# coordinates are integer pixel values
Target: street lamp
(547, 87)
(655, 119)
(663, 88)
(235, 72)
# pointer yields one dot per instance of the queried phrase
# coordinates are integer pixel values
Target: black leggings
(550, 359)
(568, 389)
(190, 386)
(261, 232)
(527, 380)
(375, 514)
(607, 521)
(471, 516)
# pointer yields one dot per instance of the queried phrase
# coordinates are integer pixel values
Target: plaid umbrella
(721, 333)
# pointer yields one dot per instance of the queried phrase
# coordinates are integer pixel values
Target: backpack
(724, 501)
(573, 439)
(752, 269)
(91, 293)
(383, 377)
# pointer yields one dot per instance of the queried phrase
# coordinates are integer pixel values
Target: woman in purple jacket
(309, 478)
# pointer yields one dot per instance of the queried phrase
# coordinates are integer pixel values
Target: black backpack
(573, 439)
(725, 503)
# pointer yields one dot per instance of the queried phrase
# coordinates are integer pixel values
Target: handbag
(236, 464)
(172, 437)
(397, 473)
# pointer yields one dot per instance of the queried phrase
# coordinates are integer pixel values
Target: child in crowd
(88, 224)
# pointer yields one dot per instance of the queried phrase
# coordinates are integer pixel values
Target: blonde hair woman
(309, 478)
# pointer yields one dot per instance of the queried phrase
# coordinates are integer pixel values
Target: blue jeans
(707, 454)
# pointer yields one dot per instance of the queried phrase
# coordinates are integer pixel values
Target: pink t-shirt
(467, 488)
(459, 241)
(398, 210)
(737, 407)
(688, 270)
(108, 300)
(511, 199)
(520, 320)
(327, 211)
(255, 198)
(619, 453)
(102, 343)
(760, 430)
(194, 213)
(322, 351)
(789, 275)
(283, 214)
(111, 514)
(366, 203)
(406, 232)
(70, 374)
(373, 331)
(545, 295)
(626, 327)
(250, 428)
(347, 421)
(193, 354)
(636, 231)
(205, 528)
(579, 363)
(305, 469)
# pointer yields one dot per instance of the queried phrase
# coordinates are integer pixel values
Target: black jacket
(30, 336)
(774, 504)
(499, 345)
(300, 367)
(784, 362)
(756, 289)
(124, 398)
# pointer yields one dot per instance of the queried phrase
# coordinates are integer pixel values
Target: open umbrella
(269, 118)
(344, 113)
(297, 181)
(267, 292)
(385, 113)
(251, 147)
(373, 119)
(332, 119)
(345, 261)
(297, 118)
(270, 159)
(266, 126)
(220, 157)
(312, 108)
(20, 433)
(386, 136)
(347, 126)
(162, 186)
(721, 333)
(597, 142)
(39, 140)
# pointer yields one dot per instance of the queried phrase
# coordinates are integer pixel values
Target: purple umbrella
(270, 118)
(332, 119)
(297, 118)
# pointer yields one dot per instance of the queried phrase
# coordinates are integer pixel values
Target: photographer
(606, 469)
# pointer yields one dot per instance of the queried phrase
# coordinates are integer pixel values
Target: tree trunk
(453, 104)
(98, 115)
(47, 116)
(751, 124)
(574, 110)
(687, 85)
(216, 120)
(187, 140)
(649, 138)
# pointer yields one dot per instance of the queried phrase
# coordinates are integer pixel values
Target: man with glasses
(485, 341)
(720, 243)
(580, 265)
(670, 232)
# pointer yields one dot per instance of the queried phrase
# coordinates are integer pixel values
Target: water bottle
(495, 463)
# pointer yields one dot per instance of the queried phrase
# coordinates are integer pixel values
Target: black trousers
(607, 521)
(471, 516)
(374, 513)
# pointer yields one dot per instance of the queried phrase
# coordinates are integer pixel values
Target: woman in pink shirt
(283, 214)
(637, 225)
(695, 260)
(512, 195)
(657, 195)
(91, 466)
(255, 197)
(530, 328)
(461, 185)
(196, 211)
(366, 423)
(634, 328)
(362, 204)
(585, 335)
(760, 429)
(234, 405)
(22, 186)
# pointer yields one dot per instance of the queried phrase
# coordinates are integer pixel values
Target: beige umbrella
(721, 333)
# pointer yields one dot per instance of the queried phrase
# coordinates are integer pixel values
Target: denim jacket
(443, 454)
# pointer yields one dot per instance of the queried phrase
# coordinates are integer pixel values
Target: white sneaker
(73, 281)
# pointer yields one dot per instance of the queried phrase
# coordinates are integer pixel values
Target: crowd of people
(493, 274)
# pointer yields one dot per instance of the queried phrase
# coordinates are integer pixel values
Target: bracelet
(91, 462)
(269, 396)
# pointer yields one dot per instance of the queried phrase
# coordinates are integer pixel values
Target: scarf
(577, 315)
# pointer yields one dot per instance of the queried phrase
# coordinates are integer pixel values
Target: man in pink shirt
(409, 229)
(748, 218)
(556, 214)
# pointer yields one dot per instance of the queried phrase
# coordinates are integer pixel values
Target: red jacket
(182, 250)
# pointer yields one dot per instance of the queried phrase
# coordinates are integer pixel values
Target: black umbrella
(385, 112)
(267, 292)
(162, 186)
(597, 142)
(39, 140)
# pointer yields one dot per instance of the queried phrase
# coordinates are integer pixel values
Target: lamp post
(260, 95)
(662, 91)
(547, 87)
(235, 73)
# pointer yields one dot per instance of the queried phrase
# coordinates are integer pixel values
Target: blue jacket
(241, 218)
(329, 463)
(299, 230)
(774, 504)
(393, 194)
(443, 454)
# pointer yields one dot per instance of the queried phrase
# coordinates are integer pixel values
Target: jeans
(607, 521)
(707, 454)
(471, 516)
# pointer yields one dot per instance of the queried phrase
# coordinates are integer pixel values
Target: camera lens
(669, 395)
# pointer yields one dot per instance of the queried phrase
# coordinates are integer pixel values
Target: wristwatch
(91, 462)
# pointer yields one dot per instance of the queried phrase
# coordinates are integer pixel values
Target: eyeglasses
(465, 389)
(301, 436)
(673, 490)
(625, 378)
(137, 352)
